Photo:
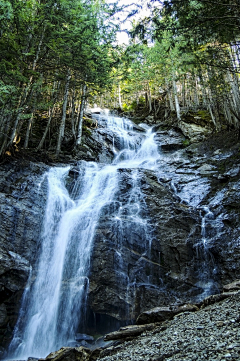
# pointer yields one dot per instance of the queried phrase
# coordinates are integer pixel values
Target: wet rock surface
(22, 206)
(182, 201)
(187, 227)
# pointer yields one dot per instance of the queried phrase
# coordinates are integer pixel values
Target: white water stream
(53, 306)
(50, 310)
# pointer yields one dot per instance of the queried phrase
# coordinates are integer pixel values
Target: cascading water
(51, 307)
(206, 273)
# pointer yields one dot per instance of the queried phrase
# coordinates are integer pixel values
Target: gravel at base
(213, 333)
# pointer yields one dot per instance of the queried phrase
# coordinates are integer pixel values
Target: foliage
(41, 43)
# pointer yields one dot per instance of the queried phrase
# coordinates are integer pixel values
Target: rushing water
(50, 311)
(54, 305)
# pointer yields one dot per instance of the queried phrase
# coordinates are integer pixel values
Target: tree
(41, 41)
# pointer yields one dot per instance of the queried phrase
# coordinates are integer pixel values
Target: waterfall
(51, 308)
(54, 302)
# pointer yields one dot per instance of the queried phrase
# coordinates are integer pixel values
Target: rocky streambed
(213, 333)
(210, 333)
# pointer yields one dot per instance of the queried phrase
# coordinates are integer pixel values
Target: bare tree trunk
(64, 110)
(5, 138)
(149, 97)
(203, 89)
(80, 121)
(40, 145)
(28, 130)
(73, 112)
(176, 100)
(169, 96)
(196, 97)
(212, 97)
(184, 91)
(119, 97)
(227, 113)
(235, 92)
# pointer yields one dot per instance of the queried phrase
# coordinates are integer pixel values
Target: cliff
(186, 248)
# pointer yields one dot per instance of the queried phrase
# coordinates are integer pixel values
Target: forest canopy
(59, 55)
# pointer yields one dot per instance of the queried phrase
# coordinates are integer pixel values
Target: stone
(83, 337)
(206, 169)
(129, 332)
(194, 132)
(170, 140)
(161, 314)
(157, 314)
(233, 286)
(216, 298)
(69, 354)
(22, 205)
(3, 315)
(130, 272)
(186, 308)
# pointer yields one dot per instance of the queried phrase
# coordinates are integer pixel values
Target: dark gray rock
(150, 261)
(209, 334)
(69, 354)
(143, 257)
(100, 145)
(233, 286)
(129, 332)
(170, 140)
(161, 314)
(22, 205)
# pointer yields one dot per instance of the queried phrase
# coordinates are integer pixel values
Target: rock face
(178, 242)
(152, 261)
(188, 247)
(22, 206)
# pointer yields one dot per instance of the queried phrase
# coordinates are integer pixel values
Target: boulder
(217, 298)
(157, 314)
(170, 140)
(129, 332)
(194, 132)
(161, 314)
(69, 354)
(207, 169)
(233, 286)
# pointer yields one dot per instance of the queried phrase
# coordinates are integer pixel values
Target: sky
(122, 36)
(143, 11)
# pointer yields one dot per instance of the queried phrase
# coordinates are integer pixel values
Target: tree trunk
(184, 91)
(176, 100)
(73, 113)
(170, 96)
(80, 120)
(5, 138)
(28, 131)
(149, 98)
(24, 96)
(235, 91)
(40, 145)
(119, 97)
(64, 110)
